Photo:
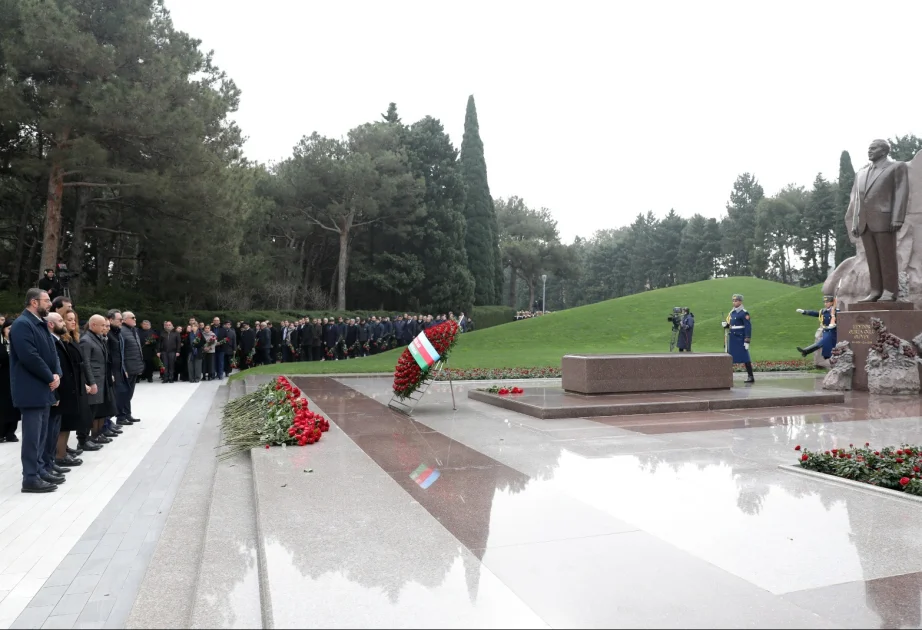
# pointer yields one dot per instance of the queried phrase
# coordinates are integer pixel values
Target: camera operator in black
(683, 327)
(50, 284)
(686, 330)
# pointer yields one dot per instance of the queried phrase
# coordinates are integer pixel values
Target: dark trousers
(880, 248)
(34, 431)
(286, 354)
(51, 440)
(169, 365)
(8, 427)
(208, 364)
(124, 392)
(217, 368)
(228, 357)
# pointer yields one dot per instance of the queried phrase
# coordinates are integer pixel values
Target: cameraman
(686, 330)
(50, 284)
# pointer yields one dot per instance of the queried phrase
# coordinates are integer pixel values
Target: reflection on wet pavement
(672, 520)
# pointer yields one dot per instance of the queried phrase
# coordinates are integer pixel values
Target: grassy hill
(632, 324)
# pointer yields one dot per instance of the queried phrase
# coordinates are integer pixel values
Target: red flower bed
(408, 376)
(892, 468)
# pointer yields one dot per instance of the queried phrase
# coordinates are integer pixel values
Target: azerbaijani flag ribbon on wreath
(423, 352)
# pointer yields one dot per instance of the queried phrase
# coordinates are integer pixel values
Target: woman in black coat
(74, 389)
(9, 415)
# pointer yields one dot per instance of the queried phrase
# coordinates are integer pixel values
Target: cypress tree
(844, 246)
(482, 240)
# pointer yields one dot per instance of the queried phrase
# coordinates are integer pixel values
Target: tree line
(119, 158)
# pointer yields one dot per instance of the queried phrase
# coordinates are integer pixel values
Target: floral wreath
(408, 376)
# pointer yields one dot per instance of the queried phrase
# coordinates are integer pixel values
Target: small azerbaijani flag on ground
(424, 476)
(423, 352)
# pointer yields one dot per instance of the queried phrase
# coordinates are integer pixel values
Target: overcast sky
(595, 110)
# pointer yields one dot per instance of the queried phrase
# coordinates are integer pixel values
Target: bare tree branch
(110, 231)
(335, 227)
(96, 185)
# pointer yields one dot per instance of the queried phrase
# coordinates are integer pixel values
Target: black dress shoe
(37, 486)
(101, 439)
(60, 470)
(90, 446)
(12, 438)
(123, 423)
(55, 479)
(750, 380)
(68, 462)
(74, 452)
(110, 434)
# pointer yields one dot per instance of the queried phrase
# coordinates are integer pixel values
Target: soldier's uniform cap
(829, 298)
(738, 296)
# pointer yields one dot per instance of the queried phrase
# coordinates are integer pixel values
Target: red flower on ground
(804, 457)
(904, 481)
(797, 448)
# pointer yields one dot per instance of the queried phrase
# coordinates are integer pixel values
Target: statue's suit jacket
(880, 198)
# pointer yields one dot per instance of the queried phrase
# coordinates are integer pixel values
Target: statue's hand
(801, 311)
(895, 226)
(855, 232)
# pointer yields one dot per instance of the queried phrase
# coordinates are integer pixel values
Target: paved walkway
(57, 555)
(477, 518)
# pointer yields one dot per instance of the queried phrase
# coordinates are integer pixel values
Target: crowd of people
(60, 379)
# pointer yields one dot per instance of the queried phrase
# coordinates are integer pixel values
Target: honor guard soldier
(827, 318)
(739, 333)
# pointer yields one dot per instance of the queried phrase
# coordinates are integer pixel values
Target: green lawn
(632, 324)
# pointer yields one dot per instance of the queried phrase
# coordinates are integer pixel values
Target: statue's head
(879, 149)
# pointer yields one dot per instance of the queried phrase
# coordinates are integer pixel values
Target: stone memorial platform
(629, 373)
(548, 403)
(854, 325)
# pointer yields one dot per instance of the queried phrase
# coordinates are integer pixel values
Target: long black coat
(73, 402)
(247, 340)
(8, 413)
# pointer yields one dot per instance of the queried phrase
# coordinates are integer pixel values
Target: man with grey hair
(133, 368)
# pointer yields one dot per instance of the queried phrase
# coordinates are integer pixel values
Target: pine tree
(844, 246)
(448, 285)
(739, 228)
(482, 240)
(391, 115)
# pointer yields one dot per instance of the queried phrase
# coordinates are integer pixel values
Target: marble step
(167, 593)
(228, 590)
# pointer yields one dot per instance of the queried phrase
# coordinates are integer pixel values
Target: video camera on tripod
(678, 314)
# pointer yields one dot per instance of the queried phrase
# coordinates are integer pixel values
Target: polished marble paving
(484, 518)
(670, 520)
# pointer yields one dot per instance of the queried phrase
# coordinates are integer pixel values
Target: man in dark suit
(170, 345)
(35, 372)
(876, 212)
(264, 344)
(230, 346)
(247, 344)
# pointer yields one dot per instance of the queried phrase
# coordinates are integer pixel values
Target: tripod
(675, 338)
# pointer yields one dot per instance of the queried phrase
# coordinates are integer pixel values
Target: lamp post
(543, 293)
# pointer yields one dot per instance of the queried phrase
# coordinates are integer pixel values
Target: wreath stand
(407, 405)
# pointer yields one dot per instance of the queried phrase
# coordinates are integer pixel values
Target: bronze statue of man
(877, 208)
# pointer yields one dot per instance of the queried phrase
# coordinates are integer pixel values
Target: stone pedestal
(622, 373)
(854, 325)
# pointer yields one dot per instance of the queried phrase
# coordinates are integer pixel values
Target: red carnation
(797, 448)
(904, 481)
(867, 443)
(899, 460)
(804, 457)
